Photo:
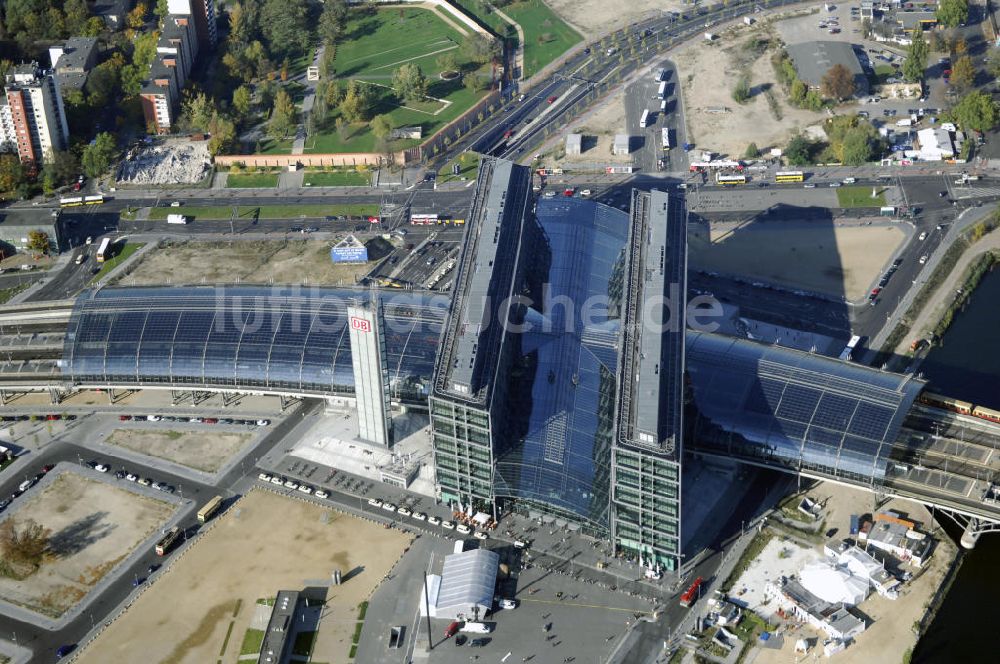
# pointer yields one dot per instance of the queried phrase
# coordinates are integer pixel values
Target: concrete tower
(371, 374)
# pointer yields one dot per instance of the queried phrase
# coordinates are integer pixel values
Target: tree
(741, 93)
(798, 92)
(475, 82)
(447, 61)
(382, 126)
(481, 48)
(409, 82)
(799, 151)
(197, 112)
(960, 46)
(241, 101)
(282, 116)
(24, 547)
(161, 9)
(916, 59)
(838, 82)
(77, 13)
(38, 242)
(857, 147)
(977, 111)
(137, 17)
(332, 20)
(357, 103)
(223, 131)
(752, 152)
(11, 172)
(342, 128)
(64, 167)
(993, 62)
(814, 101)
(952, 13)
(963, 73)
(98, 155)
(286, 27)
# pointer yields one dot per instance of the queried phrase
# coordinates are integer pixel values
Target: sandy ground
(259, 262)
(264, 544)
(593, 18)
(598, 129)
(842, 260)
(94, 525)
(201, 450)
(152, 399)
(708, 74)
(890, 633)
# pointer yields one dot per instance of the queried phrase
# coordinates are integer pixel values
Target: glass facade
(561, 396)
(795, 410)
(285, 339)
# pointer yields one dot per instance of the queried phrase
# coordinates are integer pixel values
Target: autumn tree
(137, 17)
(481, 47)
(953, 13)
(963, 73)
(382, 126)
(223, 133)
(11, 172)
(38, 242)
(241, 101)
(358, 101)
(447, 61)
(838, 82)
(282, 116)
(23, 547)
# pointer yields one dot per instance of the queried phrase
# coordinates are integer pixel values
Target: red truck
(452, 629)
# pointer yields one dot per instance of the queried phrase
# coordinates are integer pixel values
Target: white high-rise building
(371, 376)
(36, 112)
(203, 12)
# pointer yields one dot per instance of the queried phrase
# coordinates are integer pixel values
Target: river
(967, 366)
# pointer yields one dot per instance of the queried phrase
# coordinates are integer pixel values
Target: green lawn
(488, 19)
(117, 260)
(468, 163)
(849, 197)
(376, 44)
(883, 72)
(546, 36)
(269, 211)
(252, 180)
(252, 642)
(7, 293)
(336, 179)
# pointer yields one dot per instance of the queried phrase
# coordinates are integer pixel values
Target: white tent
(467, 583)
(833, 584)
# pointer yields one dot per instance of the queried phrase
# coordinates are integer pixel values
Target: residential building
(898, 536)
(36, 112)
(8, 137)
(178, 45)
(203, 14)
(159, 98)
(72, 61)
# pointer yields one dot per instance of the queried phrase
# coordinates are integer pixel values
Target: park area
(94, 526)
(839, 260)
(376, 43)
(253, 262)
(204, 451)
(265, 543)
(546, 36)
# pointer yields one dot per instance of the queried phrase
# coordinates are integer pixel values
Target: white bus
(102, 251)
(661, 92)
(845, 355)
(661, 74)
(644, 120)
(423, 219)
(665, 135)
(730, 179)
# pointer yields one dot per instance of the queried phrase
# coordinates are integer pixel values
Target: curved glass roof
(287, 339)
(795, 409)
(563, 392)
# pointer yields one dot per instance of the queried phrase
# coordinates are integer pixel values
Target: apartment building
(73, 61)
(203, 14)
(36, 113)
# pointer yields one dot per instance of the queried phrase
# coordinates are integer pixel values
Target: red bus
(692, 594)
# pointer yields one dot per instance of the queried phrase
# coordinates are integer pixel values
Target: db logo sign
(360, 324)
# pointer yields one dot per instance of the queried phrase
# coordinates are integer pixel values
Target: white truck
(476, 628)
(176, 219)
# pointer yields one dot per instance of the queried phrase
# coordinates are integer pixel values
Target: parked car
(102, 468)
(321, 494)
(264, 477)
(433, 520)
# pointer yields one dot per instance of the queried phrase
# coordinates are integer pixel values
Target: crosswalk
(975, 192)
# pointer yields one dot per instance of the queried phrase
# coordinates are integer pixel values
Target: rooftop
(76, 55)
(814, 59)
(468, 579)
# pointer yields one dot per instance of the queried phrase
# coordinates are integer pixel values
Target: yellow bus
(789, 176)
(730, 179)
(210, 508)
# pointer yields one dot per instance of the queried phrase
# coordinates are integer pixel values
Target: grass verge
(546, 36)
(336, 179)
(118, 259)
(853, 197)
(252, 642)
(753, 550)
(7, 293)
(252, 180)
(268, 211)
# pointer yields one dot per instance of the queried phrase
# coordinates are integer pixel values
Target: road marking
(585, 606)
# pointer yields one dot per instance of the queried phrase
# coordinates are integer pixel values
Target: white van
(464, 529)
(849, 180)
(476, 628)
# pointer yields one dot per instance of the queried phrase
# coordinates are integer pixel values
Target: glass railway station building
(553, 386)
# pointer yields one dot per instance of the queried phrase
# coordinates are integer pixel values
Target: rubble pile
(170, 163)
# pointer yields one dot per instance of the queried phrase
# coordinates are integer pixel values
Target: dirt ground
(598, 129)
(201, 450)
(263, 544)
(593, 18)
(890, 633)
(842, 260)
(260, 262)
(708, 74)
(94, 527)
